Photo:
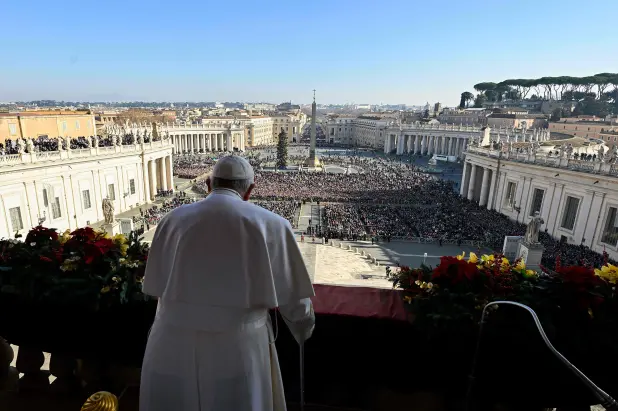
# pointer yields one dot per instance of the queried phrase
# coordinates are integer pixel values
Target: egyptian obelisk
(312, 161)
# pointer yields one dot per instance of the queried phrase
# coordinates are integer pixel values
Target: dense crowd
(388, 199)
(153, 215)
(382, 182)
(286, 209)
(193, 166)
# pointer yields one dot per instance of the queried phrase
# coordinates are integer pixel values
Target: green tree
(479, 100)
(466, 97)
(282, 150)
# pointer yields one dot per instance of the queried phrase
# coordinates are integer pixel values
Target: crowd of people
(387, 199)
(151, 217)
(286, 209)
(193, 166)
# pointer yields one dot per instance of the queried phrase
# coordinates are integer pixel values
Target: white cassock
(217, 266)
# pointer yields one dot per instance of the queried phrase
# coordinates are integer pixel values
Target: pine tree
(282, 150)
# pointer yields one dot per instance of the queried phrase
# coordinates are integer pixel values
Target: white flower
(32, 244)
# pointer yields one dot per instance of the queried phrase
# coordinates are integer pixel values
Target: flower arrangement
(85, 267)
(457, 290)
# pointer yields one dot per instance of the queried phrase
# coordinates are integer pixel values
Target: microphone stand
(604, 398)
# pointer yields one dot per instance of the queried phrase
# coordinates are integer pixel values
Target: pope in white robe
(217, 267)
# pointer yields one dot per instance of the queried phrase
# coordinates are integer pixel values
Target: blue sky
(350, 51)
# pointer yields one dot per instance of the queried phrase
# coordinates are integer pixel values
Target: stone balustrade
(544, 159)
(49, 156)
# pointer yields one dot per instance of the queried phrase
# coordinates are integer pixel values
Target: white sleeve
(299, 318)
(157, 265)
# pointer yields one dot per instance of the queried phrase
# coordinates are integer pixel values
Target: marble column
(152, 175)
(464, 180)
(484, 187)
(146, 181)
(492, 187)
(443, 145)
(417, 144)
(228, 141)
(399, 145)
(472, 182)
(163, 173)
(170, 172)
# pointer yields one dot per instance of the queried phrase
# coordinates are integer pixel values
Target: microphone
(604, 398)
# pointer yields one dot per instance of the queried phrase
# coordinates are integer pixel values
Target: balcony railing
(543, 159)
(50, 156)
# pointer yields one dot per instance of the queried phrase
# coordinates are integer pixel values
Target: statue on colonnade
(108, 210)
(532, 231)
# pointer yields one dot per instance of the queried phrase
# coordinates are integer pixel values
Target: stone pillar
(463, 189)
(170, 172)
(443, 145)
(163, 174)
(472, 182)
(228, 142)
(450, 147)
(209, 141)
(484, 187)
(399, 144)
(430, 145)
(492, 187)
(152, 178)
(146, 181)
(423, 145)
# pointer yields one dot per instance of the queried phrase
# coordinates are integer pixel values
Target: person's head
(234, 173)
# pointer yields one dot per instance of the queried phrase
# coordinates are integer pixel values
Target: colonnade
(478, 184)
(201, 143)
(426, 144)
(158, 175)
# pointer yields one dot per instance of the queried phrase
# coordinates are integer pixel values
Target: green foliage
(85, 268)
(479, 100)
(602, 86)
(282, 150)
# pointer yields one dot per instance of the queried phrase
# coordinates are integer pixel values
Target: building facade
(583, 128)
(578, 200)
(450, 140)
(46, 124)
(356, 131)
(291, 123)
(65, 189)
(466, 117)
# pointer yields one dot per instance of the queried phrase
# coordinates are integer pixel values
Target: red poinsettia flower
(450, 268)
(578, 276)
(104, 244)
(84, 233)
(46, 259)
(41, 234)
